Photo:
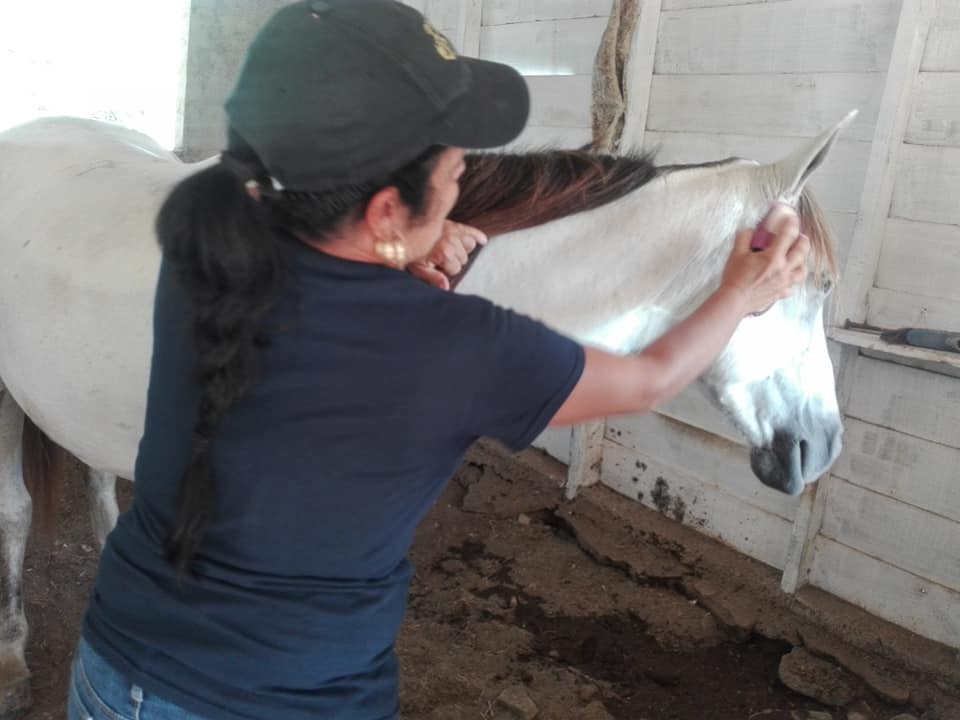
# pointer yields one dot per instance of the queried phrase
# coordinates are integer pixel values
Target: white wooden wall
(735, 77)
(552, 42)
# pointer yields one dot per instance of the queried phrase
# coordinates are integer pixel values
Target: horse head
(775, 379)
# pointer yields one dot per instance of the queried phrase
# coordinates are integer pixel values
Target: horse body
(75, 330)
(77, 285)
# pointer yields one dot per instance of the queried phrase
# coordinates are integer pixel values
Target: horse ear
(794, 170)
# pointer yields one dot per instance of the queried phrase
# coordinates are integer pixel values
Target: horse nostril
(804, 452)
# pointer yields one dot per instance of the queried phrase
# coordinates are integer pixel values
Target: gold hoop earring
(392, 251)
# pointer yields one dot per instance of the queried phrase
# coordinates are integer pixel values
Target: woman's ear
(385, 213)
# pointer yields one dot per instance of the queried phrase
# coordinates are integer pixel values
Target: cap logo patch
(443, 46)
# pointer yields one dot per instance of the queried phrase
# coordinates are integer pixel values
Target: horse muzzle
(792, 459)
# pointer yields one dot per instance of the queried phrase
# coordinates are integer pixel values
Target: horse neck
(618, 275)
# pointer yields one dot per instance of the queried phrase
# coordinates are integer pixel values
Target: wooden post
(639, 75)
(902, 75)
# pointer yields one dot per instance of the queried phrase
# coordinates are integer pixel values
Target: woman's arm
(616, 384)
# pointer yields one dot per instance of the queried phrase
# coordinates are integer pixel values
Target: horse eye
(826, 286)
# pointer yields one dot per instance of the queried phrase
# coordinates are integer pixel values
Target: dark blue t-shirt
(372, 387)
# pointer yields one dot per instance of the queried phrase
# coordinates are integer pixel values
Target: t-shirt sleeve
(522, 373)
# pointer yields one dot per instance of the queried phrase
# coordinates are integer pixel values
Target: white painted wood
(555, 47)
(697, 454)
(935, 119)
(468, 27)
(906, 537)
(555, 441)
(693, 4)
(639, 76)
(883, 168)
(767, 105)
(586, 456)
(928, 184)
(560, 101)
(692, 407)
(842, 225)
(888, 308)
(795, 37)
(803, 533)
(914, 471)
(912, 602)
(444, 15)
(943, 46)
(837, 182)
(919, 403)
(537, 137)
(921, 258)
(708, 509)
(503, 12)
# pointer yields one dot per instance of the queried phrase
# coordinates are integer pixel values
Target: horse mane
(506, 192)
(502, 193)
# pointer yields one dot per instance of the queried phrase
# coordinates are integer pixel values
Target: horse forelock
(814, 224)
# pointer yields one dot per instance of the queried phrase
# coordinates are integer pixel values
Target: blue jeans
(98, 692)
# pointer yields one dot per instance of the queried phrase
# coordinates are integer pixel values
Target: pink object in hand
(763, 235)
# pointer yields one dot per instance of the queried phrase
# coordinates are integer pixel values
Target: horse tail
(44, 467)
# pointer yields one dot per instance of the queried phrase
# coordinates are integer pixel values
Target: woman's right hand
(763, 277)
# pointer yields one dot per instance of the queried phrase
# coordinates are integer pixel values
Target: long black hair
(224, 246)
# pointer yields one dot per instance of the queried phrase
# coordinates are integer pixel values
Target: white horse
(79, 262)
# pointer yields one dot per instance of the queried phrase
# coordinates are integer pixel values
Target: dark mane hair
(502, 193)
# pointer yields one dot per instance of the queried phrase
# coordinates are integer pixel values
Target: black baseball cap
(335, 92)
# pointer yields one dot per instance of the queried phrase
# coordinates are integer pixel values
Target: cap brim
(492, 112)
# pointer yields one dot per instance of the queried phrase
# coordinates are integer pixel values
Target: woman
(309, 399)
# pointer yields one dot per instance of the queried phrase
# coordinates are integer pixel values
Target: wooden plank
(883, 168)
(468, 27)
(812, 36)
(806, 527)
(586, 456)
(694, 4)
(919, 605)
(935, 119)
(928, 185)
(536, 137)
(873, 346)
(707, 508)
(639, 76)
(943, 45)
(890, 308)
(504, 12)
(919, 403)
(555, 441)
(917, 472)
(560, 100)
(444, 14)
(842, 225)
(766, 105)
(922, 259)
(838, 182)
(696, 454)
(902, 535)
(555, 47)
(692, 407)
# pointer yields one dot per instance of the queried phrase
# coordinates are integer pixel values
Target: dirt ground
(511, 599)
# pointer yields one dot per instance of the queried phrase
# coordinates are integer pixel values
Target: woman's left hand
(449, 256)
